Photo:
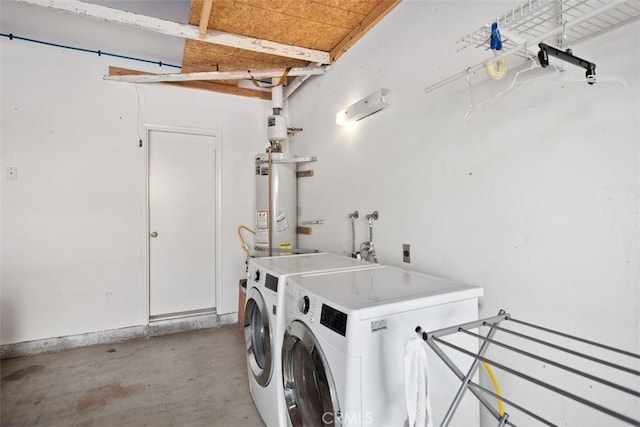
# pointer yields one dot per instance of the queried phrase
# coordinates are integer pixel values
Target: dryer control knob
(256, 277)
(303, 305)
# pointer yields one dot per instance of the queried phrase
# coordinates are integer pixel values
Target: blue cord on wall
(98, 52)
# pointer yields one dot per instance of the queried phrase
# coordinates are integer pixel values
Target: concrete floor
(194, 378)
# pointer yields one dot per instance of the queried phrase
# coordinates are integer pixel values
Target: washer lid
(309, 263)
(384, 286)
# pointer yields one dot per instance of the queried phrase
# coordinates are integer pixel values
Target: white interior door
(182, 240)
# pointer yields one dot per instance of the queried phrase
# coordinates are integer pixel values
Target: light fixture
(363, 108)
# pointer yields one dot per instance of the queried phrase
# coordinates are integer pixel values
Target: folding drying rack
(434, 340)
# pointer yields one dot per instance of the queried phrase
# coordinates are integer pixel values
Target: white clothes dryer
(264, 322)
(344, 346)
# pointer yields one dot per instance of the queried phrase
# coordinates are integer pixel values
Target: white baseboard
(156, 328)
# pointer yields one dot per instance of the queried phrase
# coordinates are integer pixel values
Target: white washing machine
(343, 349)
(264, 322)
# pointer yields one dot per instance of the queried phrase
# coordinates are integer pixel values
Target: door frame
(217, 149)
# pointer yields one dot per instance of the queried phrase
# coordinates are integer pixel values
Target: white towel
(416, 385)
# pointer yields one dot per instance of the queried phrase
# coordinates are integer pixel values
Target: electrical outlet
(12, 174)
(406, 253)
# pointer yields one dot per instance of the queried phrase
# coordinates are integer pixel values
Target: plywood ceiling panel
(200, 56)
(324, 25)
(297, 22)
(245, 38)
(209, 57)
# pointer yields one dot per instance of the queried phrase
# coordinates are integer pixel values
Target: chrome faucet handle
(372, 215)
(354, 215)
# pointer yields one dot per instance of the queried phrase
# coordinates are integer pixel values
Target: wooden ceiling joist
(206, 85)
(215, 75)
(204, 17)
(183, 30)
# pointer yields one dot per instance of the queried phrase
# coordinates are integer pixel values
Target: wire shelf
(560, 23)
(538, 17)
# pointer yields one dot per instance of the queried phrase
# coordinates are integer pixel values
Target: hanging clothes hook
(495, 43)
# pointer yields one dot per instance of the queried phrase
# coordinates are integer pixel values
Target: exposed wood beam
(204, 18)
(214, 75)
(211, 86)
(182, 30)
(361, 29)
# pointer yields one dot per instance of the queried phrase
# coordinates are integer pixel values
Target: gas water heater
(276, 223)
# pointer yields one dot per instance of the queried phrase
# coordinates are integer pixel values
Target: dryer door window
(308, 385)
(257, 334)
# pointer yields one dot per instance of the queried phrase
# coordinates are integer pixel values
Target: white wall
(73, 228)
(535, 197)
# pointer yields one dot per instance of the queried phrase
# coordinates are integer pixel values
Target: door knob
(154, 234)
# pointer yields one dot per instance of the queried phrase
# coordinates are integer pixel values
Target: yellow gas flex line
(244, 244)
(496, 386)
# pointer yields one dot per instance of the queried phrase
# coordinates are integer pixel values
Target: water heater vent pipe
(276, 96)
(277, 123)
(270, 216)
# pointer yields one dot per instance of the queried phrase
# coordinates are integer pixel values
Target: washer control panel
(334, 319)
